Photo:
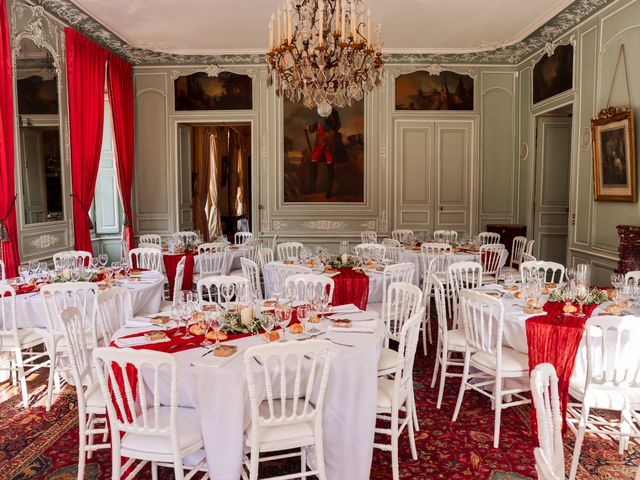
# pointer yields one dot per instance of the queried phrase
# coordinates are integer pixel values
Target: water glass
(617, 280)
(187, 314)
(23, 271)
(103, 259)
(581, 292)
(303, 316)
(176, 314)
(283, 317)
(267, 321)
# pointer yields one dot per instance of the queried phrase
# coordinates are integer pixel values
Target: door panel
(184, 186)
(551, 203)
(33, 176)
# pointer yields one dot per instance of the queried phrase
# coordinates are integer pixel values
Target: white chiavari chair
(55, 298)
(150, 238)
(449, 342)
(147, 245)
(549, 455)
(209, 264)
(212, 247)
(403, 236)
(289, 250)
(395, 394)
(265, 255)
(115, 309)
(517, 249)
(612, 382)
(166, 305)
(251, 249)
(485, 238)
(285, 417)
(437, 267)
(92, 409)
(369, 237)
(279, 274)
(376, 251)
(212, 289)
(632, 276)
(529, 248)
(441, 235)
(491, 259)
(240, 238)
(483, 319)
(527, 258)
(175, 430)
(242, 225)
(251, 272)
(19, 344)
(303, 287)
(400, 272)
(3, 272)
(462, 275)
(392, 249)
(274, 243)
(185, 237)
(431, 250)
(550, 271)
(77, 255)
(148, 258)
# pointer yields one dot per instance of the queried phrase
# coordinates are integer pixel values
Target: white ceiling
(214, 27)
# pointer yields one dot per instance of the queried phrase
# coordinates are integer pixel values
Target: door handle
(441, 208)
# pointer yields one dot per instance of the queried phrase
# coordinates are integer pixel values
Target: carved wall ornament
(279, 225)
(434, 69)
(585, 139)
(549, 48)
(324, 225)
(370, 225)
(44, 241)
(524, 151)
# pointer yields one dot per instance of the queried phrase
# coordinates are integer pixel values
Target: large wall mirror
(38, 108)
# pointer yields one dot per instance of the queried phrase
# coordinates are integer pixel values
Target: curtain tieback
(4, 231)
(77, 199)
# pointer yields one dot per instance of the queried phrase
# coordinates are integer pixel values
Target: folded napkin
(331, 274)
(367, 326)
(346, 308)
(210, 360)
(138, 340)
(354, 317)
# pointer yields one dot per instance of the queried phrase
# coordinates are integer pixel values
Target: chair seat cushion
(385, 393)
(165, 305)
(26, 337)
(606, 396)
(456, 339)
(389, 359)
(236, 273)
(189, 432)
(512, 361)
(375, 307)
(93, 397)
(278, 437)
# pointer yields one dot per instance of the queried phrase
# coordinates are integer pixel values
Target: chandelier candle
(316, 60)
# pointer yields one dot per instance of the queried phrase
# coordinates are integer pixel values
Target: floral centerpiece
(345, 261)
(66, 275)
(595, 297)
(236, 322)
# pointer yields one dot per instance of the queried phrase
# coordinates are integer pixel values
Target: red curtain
(10, 253)
(121, 100)
(86, 65)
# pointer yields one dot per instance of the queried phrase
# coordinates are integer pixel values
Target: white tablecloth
(220, 396)
(415, 257)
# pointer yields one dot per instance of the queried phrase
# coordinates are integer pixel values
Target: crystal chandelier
(318, 53)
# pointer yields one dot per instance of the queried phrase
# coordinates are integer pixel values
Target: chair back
(491, 257)
(77, 351)
(295, 377)
(483, 318)
(240, 238)
(392, 249)
(403, 236)
(242, 225)
(251, 272)
(403, 300)
(212, 247)
(485, 238)
(304, 287)
(442, 236)
(149, 258)
(440, 299)
(265, 255)
(115, 308)
(212, 263)
(178, 280)
(58, 296)
(527, 258)
(632, 276)
(278, 274)
(369, 236)
(8, 319)
(548, 271)
(288, 250)
(150, 238)
(431, 250)
(544, 468)
(613, 356)
(376, 251)
(77, 257)
(407, 345)
(544, 393)
(223, 288)
(517, 249)
(3, 272)
(400, 272)
(185, 237)
(147, 245)
(251, 248)
(127, 394)
(462, 275)
(439, 263)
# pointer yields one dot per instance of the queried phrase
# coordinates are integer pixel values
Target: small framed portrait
(614, 155)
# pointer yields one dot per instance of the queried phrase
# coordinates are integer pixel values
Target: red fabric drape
(170, 267)
(86, 66)
(120, 87)
(10, 254)
(554, 338)
(351, 287)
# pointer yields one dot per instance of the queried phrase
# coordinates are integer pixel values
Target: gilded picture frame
(614, 155)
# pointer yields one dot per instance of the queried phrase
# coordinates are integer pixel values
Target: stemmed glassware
(176, 315)
(567, 296)
(187, 314)
(227, 290)
(215, 319)
(23, 271)
(283, 316)
(581, 292)
(94, 262)
(313, 312)
(267, 321)
(277, 290)
(303, 316)
(103, 259)
(617, 280)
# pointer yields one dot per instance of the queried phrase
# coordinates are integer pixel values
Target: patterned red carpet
(35, 444)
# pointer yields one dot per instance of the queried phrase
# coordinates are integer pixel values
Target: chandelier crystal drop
(321, 52)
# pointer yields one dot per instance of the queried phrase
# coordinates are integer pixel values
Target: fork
(338, 343)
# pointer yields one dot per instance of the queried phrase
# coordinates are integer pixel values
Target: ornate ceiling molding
(554, 29)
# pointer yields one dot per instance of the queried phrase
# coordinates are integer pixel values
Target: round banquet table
(146, 297)
(220, 397)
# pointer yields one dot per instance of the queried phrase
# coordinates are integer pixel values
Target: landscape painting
(422, 91)
(225, 91)
(323, 157)
(553, 74)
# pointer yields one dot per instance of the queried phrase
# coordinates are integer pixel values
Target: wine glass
(227, 290)
(314, 308)
(187, 314)
(176, 314)
(94, 262)
(103, 259)
(283, 316)
(277, 289)
(75, 274)
(583, 274)
(567, 296)
(617, 280)
(303, 316)
(33, 267)
(581, 292)
(267, 321)
(23, 271)
(216, 322)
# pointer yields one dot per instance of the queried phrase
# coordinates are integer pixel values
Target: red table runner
(171, 261)
(554, 338)
(351, 287)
